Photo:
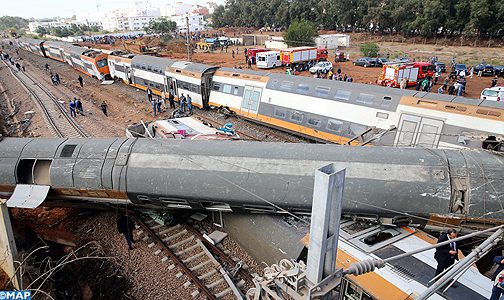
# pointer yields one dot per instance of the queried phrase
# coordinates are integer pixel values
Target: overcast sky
(66, 8)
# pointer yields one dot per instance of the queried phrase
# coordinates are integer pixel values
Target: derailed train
(430, 187)
(328, 110)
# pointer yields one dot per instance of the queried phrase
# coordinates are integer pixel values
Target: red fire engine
(251, 53)
(393, 73)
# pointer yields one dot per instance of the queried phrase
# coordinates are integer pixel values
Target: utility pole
(187, 39)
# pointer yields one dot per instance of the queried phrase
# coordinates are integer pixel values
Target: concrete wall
(333, 41)
(254, 39)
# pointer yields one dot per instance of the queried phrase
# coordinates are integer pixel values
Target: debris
(198, 216)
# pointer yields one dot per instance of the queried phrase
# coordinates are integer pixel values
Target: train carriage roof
(161, 62)
(192, 67)
(31, 41)
(245, 71)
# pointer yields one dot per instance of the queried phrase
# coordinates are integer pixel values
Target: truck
(251, 53)
(268, 59)
(393, 73)
(300, 57)
(322, 54)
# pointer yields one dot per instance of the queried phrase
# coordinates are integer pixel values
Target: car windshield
(460, 66)
(490, 93)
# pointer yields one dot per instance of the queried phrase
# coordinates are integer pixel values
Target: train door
(251, 99)
(172, 83)
(129, 74)
(416, 131)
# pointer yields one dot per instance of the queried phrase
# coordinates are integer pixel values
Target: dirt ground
(420, 52)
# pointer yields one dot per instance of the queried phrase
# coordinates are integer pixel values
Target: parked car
(441, 65)
(340, 56)
(493, 94)
(499, 71)
(381, 61)
(486, 69)
(402, 59)
(323, 67)
(365, 62)
(461, 67)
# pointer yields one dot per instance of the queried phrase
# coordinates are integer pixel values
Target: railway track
(54, 113)
(183, 248)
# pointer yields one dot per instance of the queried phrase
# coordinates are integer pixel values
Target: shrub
(370, 49)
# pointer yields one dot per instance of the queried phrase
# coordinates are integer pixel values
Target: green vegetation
(370, 49)
(73, 30)
(161, 26)
(300, 33)
(428, 18)
(8, 23)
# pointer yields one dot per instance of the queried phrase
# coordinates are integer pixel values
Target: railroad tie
(200, 265)
(194, 257)
(215, 283)
(176, 235)
(224, 292)
(206, 275)
(169, 229)
(187, 240)
(183, 251)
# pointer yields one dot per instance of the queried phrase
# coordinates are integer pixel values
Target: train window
(314, 122)
(380, 236)
(296, 117)
(356, 129)
(343, 95)
(303, 88)
(67, 150)
(280, 113)
(235, 90)
(382, 115)
(387, 101)
(322, 91)
(158, 86)
(286, 85)
(102, 63)
(194, 88)
(216, 86)
(226, 89)
(149, 68)
(334, 125)
(155, 69)
(365, 98)
(143, 67)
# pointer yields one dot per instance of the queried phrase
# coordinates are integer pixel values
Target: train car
(405, 278)
(149, 72)
(87, 61)
(344, 112)
(120, 66)
(32, 45)
(428, 187)
(191, 79)
(55, 50)
(240, 90)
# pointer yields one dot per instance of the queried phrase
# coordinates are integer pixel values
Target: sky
(66, 8)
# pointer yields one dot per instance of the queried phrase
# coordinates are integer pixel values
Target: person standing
(125, 225)
(403, 83)
(498, 277)
(149, 94)
(182, 100)
(103, 107)
(494, 81)
(81, 81)
(154, 106)
(232, 53)
(447, 254)
(72, 107)
(78, 105)
(58, 79)
(189, 104)
(159, 102)
(171, 99)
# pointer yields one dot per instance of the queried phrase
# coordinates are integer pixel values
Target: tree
(300, 33)
(8, 22)
(41, 31)
(161, 26)
(370, 49)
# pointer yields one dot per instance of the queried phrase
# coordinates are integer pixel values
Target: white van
(493, 94)
(268, 59)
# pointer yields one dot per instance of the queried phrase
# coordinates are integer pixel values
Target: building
(196, 22)
(175, 9)
(128, 20)
(48, 24)
(332, 41)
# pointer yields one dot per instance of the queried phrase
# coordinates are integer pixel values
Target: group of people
(331, 75)
(75, 106)
(158, 103)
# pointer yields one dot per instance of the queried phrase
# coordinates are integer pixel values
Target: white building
(48, 24)
(196, 22)
(177, 8)
(128, 20)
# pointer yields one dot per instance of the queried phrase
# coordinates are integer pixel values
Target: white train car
(120, 67)
(149, 72)
(240, 90)
(191, 79)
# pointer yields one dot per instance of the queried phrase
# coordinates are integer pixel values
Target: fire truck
(302, 57)
(393, 73)
(251, 53)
